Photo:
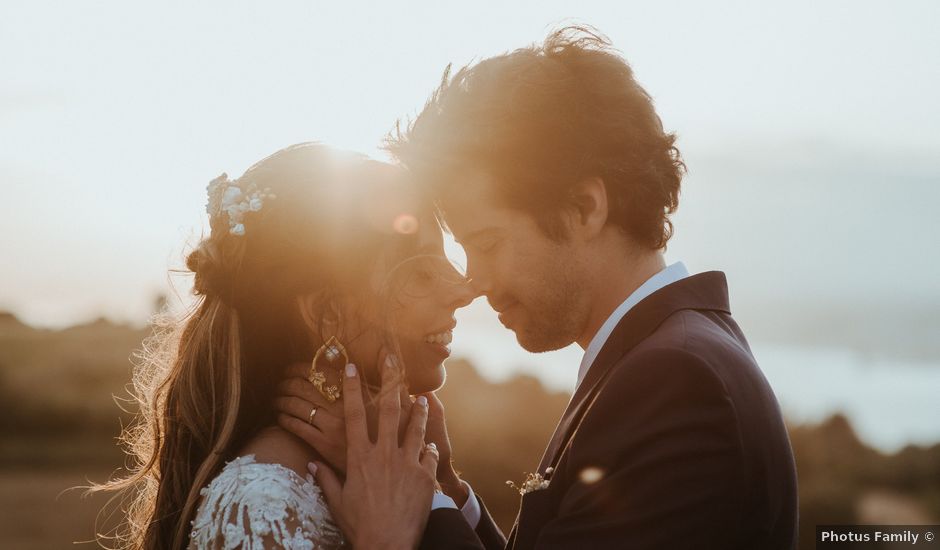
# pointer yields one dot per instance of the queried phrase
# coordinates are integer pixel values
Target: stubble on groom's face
(531, 280)
(550, 313)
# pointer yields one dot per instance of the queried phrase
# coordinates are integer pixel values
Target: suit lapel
(706, 291)
(511, 541)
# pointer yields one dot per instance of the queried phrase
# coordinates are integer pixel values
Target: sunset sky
(810, 130)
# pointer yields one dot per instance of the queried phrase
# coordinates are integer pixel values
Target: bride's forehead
(429, 232)
(393, 204)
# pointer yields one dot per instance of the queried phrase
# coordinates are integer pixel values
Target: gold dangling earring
(331, 349)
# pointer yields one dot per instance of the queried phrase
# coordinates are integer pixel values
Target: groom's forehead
(471, 200)
(473, 191)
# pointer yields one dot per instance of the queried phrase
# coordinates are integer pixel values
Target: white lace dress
(255, 506)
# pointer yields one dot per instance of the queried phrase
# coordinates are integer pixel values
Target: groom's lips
(504, 313)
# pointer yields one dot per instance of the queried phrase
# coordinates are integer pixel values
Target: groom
(552, 169)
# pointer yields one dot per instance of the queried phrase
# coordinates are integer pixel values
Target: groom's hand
(386, 498)
(437, 433)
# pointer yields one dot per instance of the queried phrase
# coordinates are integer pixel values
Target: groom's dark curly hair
(541, 119)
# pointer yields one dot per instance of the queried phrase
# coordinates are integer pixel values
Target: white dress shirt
(669, 275)
(471, 509)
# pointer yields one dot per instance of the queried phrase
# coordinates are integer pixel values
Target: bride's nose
(463, 294)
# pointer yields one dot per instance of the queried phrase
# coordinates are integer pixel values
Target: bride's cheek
(411, 358)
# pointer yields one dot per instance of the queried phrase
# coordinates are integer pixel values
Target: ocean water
(891, 403)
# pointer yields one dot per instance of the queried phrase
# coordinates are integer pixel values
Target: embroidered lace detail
(255, 506)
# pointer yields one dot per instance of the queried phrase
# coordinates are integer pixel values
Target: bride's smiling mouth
(440, 340)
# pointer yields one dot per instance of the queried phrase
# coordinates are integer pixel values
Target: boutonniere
(533, 482)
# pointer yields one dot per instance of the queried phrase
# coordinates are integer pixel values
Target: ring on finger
(430, 448)
(313, 412)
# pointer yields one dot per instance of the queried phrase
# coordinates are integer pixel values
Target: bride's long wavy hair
(204, 383)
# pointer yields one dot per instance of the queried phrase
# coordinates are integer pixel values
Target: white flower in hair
(231, 195)
(233, 199)
(215, 191)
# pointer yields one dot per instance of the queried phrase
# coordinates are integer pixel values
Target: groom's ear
(588, 207)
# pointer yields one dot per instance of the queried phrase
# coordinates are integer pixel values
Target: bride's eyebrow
(429, 249)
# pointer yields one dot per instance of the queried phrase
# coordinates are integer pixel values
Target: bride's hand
(324, 430)
(386, 498)
(437, 433)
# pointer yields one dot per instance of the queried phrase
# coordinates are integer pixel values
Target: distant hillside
(57, 413)
(62, 382)
(842, 481)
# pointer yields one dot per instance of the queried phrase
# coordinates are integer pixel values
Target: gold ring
(313, 412)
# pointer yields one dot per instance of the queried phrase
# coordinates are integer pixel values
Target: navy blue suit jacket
(673, 440)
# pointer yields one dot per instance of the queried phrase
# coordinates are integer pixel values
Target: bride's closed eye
(425, 275)
(420, 276)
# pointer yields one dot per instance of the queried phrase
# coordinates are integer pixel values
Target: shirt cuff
(471, 509)
(440, 500)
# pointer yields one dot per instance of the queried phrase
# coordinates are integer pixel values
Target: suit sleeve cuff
(471, 509)
(440, 500)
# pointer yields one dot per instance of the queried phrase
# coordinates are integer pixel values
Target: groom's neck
(613, 282)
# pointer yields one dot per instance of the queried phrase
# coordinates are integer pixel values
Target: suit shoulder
(661, 371)
(656, 390)
(697, 332)
(703, 337)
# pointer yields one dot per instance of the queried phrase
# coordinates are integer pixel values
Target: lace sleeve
(255, 506)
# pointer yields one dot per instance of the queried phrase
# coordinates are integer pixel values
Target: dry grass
(36, 514)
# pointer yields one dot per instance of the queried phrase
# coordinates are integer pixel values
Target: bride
(315, 259)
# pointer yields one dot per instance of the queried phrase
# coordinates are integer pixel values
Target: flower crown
(231, 198)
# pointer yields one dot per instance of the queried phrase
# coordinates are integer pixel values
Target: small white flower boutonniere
(533, 482)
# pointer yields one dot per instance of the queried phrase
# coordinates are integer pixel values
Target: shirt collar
(671, 274)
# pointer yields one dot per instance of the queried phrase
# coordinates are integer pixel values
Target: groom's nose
(464, 294)
(477, 278)
(477, 285)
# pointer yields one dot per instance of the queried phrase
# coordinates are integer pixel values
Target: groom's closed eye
(487, 246)
(483, 241)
